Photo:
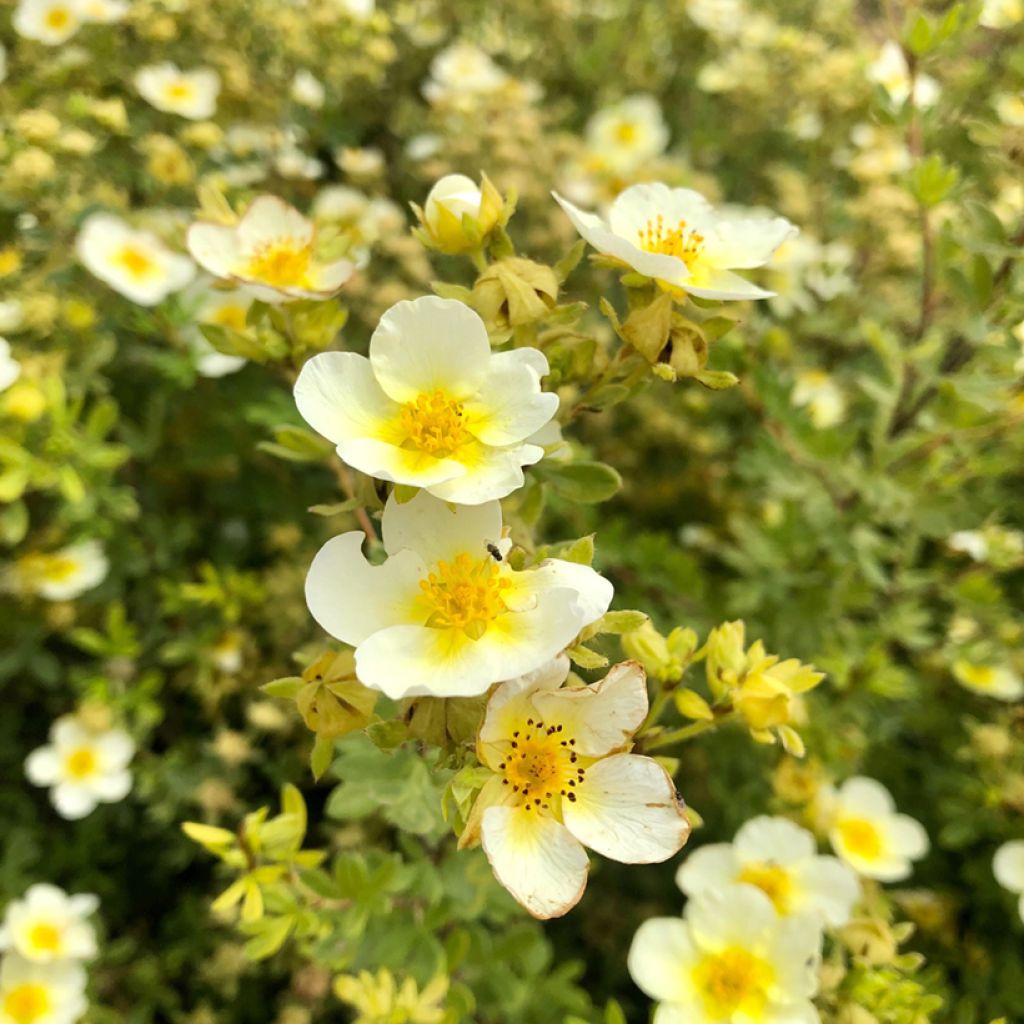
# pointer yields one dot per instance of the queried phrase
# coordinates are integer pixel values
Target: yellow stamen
(542, 766)
(684, 245)
(57, 18)
(465, 594)
(861, 837)
(625, 132)
(434, 423)
(773, 880)
(232, 317)
(138, 263)
(81, 763)
(179, 90)
(27, 1003)
(283, 264)
(733, 981)
(44, 937)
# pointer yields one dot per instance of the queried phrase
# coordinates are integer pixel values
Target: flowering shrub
(510, 512)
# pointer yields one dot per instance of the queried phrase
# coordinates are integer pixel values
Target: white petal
(430, 344)
(1008, 865)
(715, 283)
(536, 859)
(735, 914)
(68, 731)
(327, 278)
(352, 599)
(741, 241)
(659, 956)
(42, 767)
(906, 837)
(113, 787)
(626, 809)
(794, 951)
(115, 748)
(84, 903)
(510, 406)
(861, 796)
(338, 396)
(826, 886)
(386, 461)
(215, 248)
(72, 801)
(437, 531)
(778, 840)
(603, 717)
(269, 219)
(708, 868)
(594, 592)
(638, 205)
(488, 474)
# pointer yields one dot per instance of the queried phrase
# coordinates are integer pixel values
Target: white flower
(271, 250)
(361, 10)
(998, 681)
(890, 71)
(432, 407)
(463, 71)
(718, 17)
(360, 162)
(730, 960)
(135, 263)
(191, 94)
(10, 368)
(868, 834)
(221, 308)
(1001, 13)
(442, 616)
(82, 768)
(969, 542)
(34, 993)
(308, 90)
(1010, 108)
(816, 390)
(104, 12)
(47, 21)
(563, 779)
(629, 132)
(47, 925)
(60, 575)
(675, 236)
(453, 197)
(780, 859)
(1008, 867)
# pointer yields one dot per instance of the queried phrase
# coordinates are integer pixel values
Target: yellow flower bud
(24, 401)
(458, 214)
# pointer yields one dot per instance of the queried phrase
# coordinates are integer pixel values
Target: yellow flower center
(773, 880)
(625, 132)
(58, 18)
(44, 937)
(434, 423)
(81, 763)
(981, 677)
(684, 245)
(860, 837)
(179, 90)
(232, 317)
(465, 594)
(281, 264)
(733, 981)
(137, 262)
(542, 765)
(27, 1002)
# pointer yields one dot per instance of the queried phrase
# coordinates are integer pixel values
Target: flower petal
(826, 886)
(594, 592)
(626, 809)
(72, 801)
(42, 766)
(1008, 865)
(510, 406)
(536, 859)
(214, 247)
(436, 531)
(352, 599)
(430, 344)
(777, 840)
(116, 748)
(661, 951)
(740, 241)
(737, 914)
(386, 461)
(113, 787)
(488, 473)
(270, 219)
(861, 796)
(708, 868)
(715, 283)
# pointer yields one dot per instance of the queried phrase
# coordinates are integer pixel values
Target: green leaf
(620, 622)
(717, 380)
(321, 757)
(286, 687)
(271, 937)
(585, 657)
(586, 482)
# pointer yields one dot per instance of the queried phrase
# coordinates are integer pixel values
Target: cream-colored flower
(1010, 108)
(1001, 13)
(867, 832)
(998, 681)
(191, 94)
(271, 250)
(969, 542)
(675, 236)
(47, 925)
(103, 12)
(308, 90)
(452, 198)
(10, 368)
(443, 616)
(1008, 867)
(60, 575)
(564, 780)
(463, 72)
(47, 21)
(628, 133)
(432, 407)
(360, 162)
(730, 960)
(82, 767)
(722, 18)
(135, 263)
(891, 72)
(34, 993)
(226, 308)
(780, 859)
(816, 391)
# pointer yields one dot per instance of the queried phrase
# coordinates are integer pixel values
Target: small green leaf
(586, 658)
(286, 687)
(586, 482)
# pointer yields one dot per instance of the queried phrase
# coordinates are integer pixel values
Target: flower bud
(459, 214)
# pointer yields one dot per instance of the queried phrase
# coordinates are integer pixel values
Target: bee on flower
(868, 833)
(82, 767)
(60, 575)
(564, 779)
(432, 406)
(781, 859)
(730, 959)
(47, 925)
(134, 263)
(189, 94)
(1008, 868)
(675, 237)
(36, 993)
(441, 616)
(271, 250)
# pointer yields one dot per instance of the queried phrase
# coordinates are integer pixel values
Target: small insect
(494, 552)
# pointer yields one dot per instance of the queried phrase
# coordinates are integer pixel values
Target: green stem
(479, 259)
(685, 732)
